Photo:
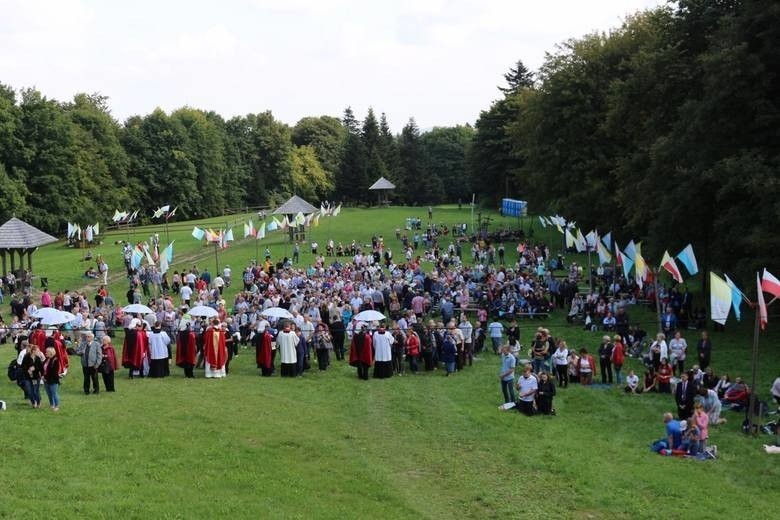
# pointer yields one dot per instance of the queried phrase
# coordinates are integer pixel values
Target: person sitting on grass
(90, 273)
(664, 377)
(632, 383)
(650, 381)
(737, 395)
(724, 383)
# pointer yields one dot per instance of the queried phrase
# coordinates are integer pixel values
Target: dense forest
(665, 129)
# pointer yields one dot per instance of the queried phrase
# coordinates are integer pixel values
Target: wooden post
(657, 298)
(2, 254)
(753, 372)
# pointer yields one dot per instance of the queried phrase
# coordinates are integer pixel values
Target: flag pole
(657, 298)
(753, 372)
(590, 270)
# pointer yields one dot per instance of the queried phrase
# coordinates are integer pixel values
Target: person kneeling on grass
(545, 394)
(527, 386)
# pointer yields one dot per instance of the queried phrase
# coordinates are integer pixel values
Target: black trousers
(323, 359)
(563, 375)
(362, 370)
(188, 370)
(606, 371)
(90, 373)
(108, 381)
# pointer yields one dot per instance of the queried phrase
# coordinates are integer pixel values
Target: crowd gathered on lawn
(445, 305)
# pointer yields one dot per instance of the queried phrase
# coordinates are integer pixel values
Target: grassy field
(328, 445)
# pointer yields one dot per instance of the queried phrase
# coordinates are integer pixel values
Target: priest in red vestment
(264, 353)
(360, 353)
(186, 349)
(215, 350)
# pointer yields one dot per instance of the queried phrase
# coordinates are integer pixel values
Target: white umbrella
(370, 316)
(276, 312)
(202, 310)
(137, 308)
(50, 316)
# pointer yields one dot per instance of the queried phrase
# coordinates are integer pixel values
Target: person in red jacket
(38, 337)
(586, 367)
(618, 357)
(109, 367)
(186, 348)
(57, 342)
(665, 372)
(413, 350)
(264, 353)
(361, 355)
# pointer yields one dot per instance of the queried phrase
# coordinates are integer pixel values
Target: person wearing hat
(286, 343)
(159, 352)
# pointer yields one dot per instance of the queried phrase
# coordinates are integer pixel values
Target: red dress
(186, 351)
(263, 353)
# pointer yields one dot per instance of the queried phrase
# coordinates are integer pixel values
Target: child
(632, 383)
(702, 421)
(691, 437)
(544, 394)
(449, 353)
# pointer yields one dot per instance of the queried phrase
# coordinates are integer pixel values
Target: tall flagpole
(753, 372)
(657, 298)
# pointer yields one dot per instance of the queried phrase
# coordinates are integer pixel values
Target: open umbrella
(202, 310)
(369, 316)
(137, 308)
(50, 316)
(276, 312)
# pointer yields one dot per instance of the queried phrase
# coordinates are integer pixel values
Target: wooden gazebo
(22, 239)
(382, 186)
(292, 207)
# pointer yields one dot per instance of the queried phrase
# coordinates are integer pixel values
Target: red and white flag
(761, 304)
(770, 284)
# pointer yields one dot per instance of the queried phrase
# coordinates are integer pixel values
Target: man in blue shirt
(507, 375)
(673, 431)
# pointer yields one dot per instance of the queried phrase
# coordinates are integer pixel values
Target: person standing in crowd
(704, 350)
(561, 362)
(51, 378)
(135, 348)
(399, 348)
(545, 394)
(449, 353)
(618, 357)
(215, 351)
(527, 386)
(264, 352)
(361, 353)
(286, 343)
(31, 371)
(467, 330)
(664, 377)
(323, 345)
(186, 347)
(507, 375)
(159, 352)
(496, 333)
(677, 349)
(413, 347)
(683, 396)
(605, 360)
(338, 333)
(91, 354)
(383, 354)
(586, 367)
(109, 364)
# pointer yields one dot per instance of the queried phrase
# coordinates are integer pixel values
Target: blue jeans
(538, 365)
(450, 367)
(33, 389)
(618, 373)
(496, 343)
(53, 393)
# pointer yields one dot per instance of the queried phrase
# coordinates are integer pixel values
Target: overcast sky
(436, 60)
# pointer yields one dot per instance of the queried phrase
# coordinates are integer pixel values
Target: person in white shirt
(632, 383)
(467, 330)
(286, 343)
(527, 386)
(159, 352)
(219, 283)
(383, 353)
(186, 295)
(561, 362)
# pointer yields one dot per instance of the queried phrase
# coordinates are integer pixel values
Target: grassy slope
(332, 446)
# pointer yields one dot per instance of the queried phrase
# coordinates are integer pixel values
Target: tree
(309, 179)
(327, 136)
(418, 184)
(352, 181)
(517, 78)
(388, 149)
(447, 151)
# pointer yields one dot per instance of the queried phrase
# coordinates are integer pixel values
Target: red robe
(215, 354)
(360, 350)
(186, 351)
(134, 350)
(263, 355)
(38, 337)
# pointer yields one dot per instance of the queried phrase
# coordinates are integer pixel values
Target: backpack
(13, 370)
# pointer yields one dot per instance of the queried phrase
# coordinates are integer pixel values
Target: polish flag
(770, 284)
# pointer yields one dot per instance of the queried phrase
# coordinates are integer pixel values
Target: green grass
(328, 445)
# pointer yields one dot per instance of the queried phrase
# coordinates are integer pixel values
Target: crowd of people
(428, 299)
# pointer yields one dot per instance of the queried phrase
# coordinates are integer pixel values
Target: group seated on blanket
(687, 438)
